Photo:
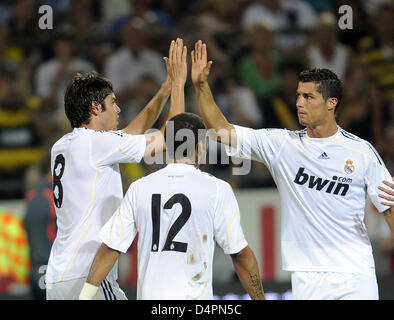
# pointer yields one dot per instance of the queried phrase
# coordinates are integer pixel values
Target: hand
(200, 66)
(390, 194)
(176, 62)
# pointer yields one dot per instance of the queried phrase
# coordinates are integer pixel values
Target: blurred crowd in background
(258, 47)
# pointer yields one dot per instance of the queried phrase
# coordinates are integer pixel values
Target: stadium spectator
(361, 107)
(278, 109)
(145, 10)
(217, 16)
(24, 31)
(259, 70)
(132, 62)
(20, 138)
(51, 77)
(40, 226)
(387, 147)
(376, 50)
(8, 52)
(321, 5)
(292, 20)
(326, 51)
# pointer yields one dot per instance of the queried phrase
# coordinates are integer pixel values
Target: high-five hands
(200, 67)
(176, 62)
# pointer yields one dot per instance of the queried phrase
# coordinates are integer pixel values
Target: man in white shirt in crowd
(85, 164)
(132, 62)
(178, 212)
(323, 174)
(52, 77)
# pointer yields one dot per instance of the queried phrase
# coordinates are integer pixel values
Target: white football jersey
(87, 189)
(178, 212)
(323, 183)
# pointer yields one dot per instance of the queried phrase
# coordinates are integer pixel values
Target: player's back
(177, 220)
(85, 195)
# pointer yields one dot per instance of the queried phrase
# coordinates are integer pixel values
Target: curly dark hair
(328, 83)
(81, 92)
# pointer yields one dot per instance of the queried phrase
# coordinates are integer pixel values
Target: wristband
(88, 291)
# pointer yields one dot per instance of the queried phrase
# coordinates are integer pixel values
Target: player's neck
(184, 161)
(322, 131)
(94, 124)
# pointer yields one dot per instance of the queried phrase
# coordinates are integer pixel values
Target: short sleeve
(375, 174)
(120, 230)
(262, 145)
(110, 147)
(227, 221)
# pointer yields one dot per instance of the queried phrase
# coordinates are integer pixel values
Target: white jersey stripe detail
(360, 151)
(229, 229)
(84, 230)
(122, 226)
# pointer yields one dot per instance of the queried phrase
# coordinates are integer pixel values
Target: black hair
(81, 92)
(328, 83)
(195, 126)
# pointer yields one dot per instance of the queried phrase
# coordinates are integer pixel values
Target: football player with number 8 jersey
(87, 184)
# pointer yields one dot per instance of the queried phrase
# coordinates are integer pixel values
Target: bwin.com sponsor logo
(337, 186)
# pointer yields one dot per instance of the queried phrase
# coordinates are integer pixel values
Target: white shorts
(70, 290)
(333, 286)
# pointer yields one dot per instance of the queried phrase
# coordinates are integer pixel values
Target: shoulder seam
(358, 139)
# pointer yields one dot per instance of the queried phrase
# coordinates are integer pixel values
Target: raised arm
(177, 71)
(102, 264)
(247, 269)
(173, 85)
(147, 117)
(214, 119)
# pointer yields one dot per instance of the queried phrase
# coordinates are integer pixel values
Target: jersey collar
(182, 166)
(336, 134)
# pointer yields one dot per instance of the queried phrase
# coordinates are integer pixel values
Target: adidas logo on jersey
(324, 156)
(339, 185)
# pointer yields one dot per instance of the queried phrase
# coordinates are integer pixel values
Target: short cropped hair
(195, 128)
(81, 92)
(328, 83)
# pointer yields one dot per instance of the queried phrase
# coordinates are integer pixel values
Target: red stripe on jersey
(267, 223)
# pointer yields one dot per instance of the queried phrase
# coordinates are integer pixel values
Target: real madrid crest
(349, 167)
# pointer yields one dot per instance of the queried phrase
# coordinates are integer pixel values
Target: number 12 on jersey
(169, 244)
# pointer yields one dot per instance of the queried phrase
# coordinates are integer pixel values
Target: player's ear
(96, 108)
(331, 103)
